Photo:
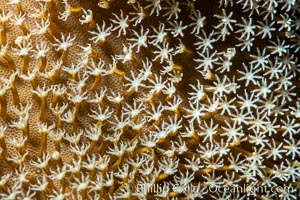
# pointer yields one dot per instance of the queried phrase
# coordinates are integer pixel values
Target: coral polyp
(149, 99)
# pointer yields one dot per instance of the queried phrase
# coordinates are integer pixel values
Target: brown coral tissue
(149, 99)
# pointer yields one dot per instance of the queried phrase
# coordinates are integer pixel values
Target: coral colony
(149, 99)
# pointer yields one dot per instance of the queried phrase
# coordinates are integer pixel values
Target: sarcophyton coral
(149, 99)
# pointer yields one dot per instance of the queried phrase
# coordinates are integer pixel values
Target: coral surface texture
(149, 99)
